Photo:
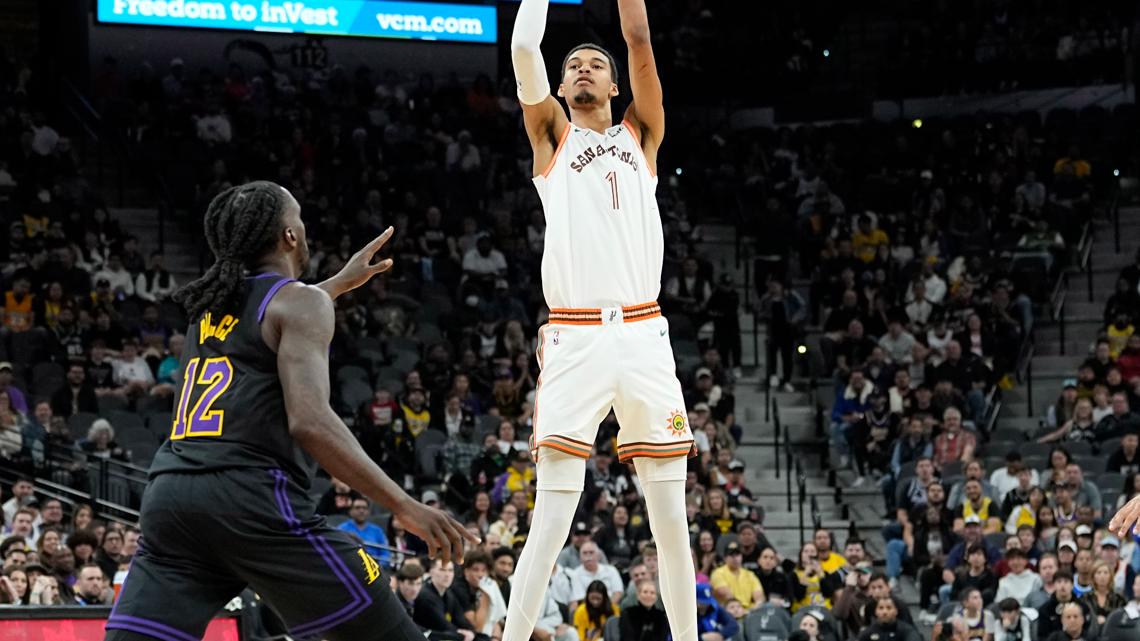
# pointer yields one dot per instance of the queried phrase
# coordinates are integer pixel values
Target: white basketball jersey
(604, 244)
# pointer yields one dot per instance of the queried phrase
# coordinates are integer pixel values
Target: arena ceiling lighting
(365, 18)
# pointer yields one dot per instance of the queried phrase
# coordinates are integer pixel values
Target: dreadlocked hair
(241, 225)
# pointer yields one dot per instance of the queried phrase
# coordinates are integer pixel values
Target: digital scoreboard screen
(439, 21)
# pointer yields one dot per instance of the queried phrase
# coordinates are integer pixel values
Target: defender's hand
(359, 269)
(443, 534)
(1124, 523)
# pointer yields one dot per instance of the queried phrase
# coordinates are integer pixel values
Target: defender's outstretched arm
(543, 116)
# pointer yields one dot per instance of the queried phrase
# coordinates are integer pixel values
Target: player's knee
(559, 471)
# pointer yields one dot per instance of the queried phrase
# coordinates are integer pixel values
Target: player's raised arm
(647, 111)
(542, 114)
(303, 317)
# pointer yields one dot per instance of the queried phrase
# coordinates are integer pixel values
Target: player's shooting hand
(360, 268)
(444, 535)
(1125, 521)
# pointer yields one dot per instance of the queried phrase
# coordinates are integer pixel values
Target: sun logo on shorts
(677, 421)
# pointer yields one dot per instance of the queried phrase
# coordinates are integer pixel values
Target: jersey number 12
(202, 383)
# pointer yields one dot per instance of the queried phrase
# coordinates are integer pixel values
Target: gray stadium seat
(1110, 481)
(430, 437)
(767, 623)
(612, 629)
(111, 402)
(355, 393)
(79, 423)
(46, 379)
(722, 542)
(427, 460)
(351, 372)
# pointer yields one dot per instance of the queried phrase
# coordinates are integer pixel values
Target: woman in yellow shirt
(808, 575)
(591, 616)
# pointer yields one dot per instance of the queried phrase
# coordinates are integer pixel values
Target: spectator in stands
(785, 312)
(973, 472)
(1085, 492)
(1073, 624)
(76, 395)
(91, 586)
(1081, 427)
(872, 436)
(12, 428)
(975, 505)
(1120, 422)
(772, 578)
(19, 306)
(591, 615)
(23, 525)
(14, 587)
(853, 351)
(23, 494)
(731, 580)
(1103, 598)
(1021, 506)
(119, 281)
(368, 532)
(13, 551)
(100, 442)
(590, 570)
(109, 554)
(1006, 479)
(1050, 620)
(850, 405)
(409, 583)
(155, 284)
(1021, 581)
(436, 606)
(713, 622)
(644, 621)
(971, 612)
(809, 574)
(887, 624)
(17, 400)
(953, 444)
(689, 292)
(132, 374)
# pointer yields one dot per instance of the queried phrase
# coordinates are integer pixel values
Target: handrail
(1057, 302)
(788, 465)
(775, 406)
(1116, 219)
(801, 482)
(1085, 257)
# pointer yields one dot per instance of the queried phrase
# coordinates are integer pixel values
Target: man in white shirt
(484, 261)
(132, 374)
(23, 493)
(897, 343)
(1004, 480)
(591, 570)
(117, 276)
(1021, 581)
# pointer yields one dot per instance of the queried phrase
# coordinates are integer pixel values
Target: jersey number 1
(611, 178)
(202, 383)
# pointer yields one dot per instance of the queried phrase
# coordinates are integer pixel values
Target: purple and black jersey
(230, 409)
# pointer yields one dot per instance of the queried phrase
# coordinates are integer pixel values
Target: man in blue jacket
(714, 623)
(851, 403)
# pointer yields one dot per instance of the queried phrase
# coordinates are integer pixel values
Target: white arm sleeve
(530, 70)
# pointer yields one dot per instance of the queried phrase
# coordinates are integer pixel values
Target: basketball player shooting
(606, 344)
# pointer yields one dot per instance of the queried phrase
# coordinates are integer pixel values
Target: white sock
(665, 503)
(553, 514)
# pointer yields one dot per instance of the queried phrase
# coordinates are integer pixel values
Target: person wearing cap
(1109, 553)
(972, 535)
(580, 534)
(872, 437)
(368, 532)
(1020, 581)
(16, 397)
(732, 580)
(714, 623)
